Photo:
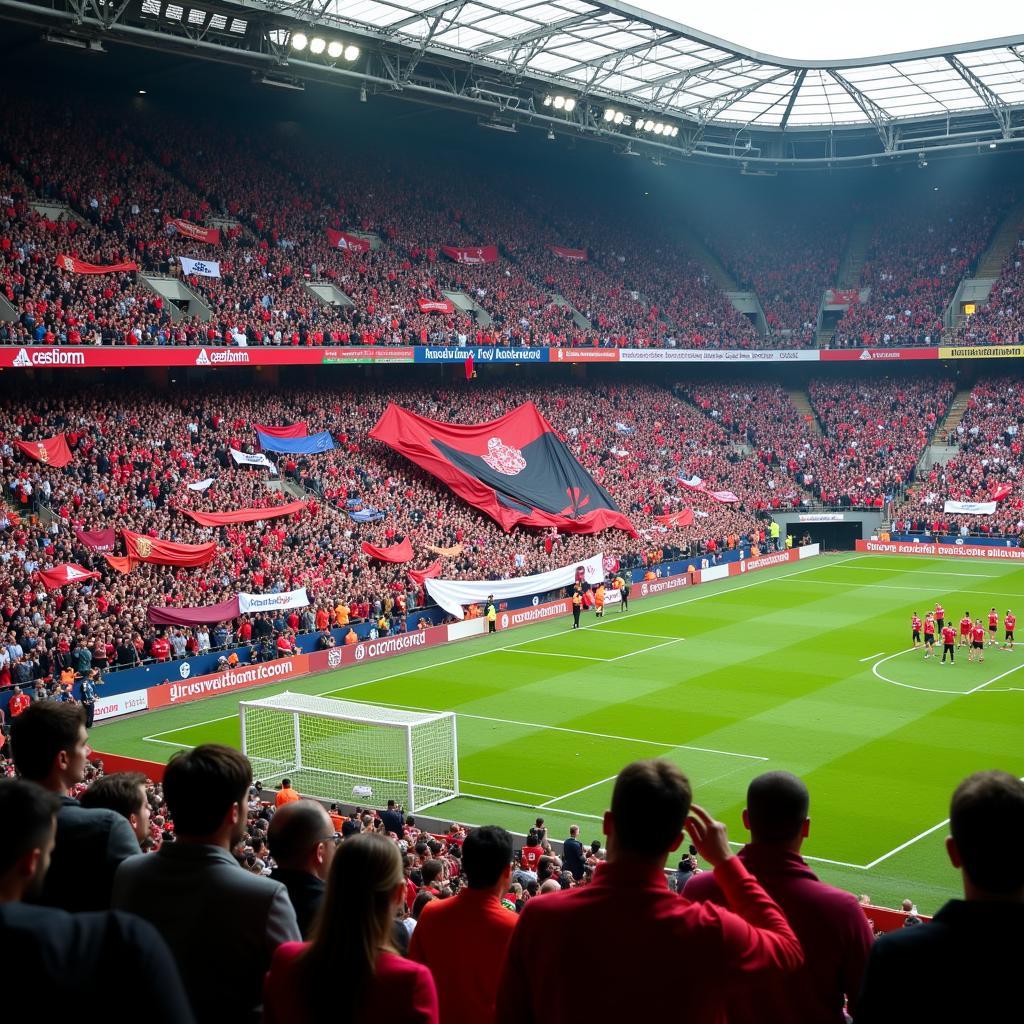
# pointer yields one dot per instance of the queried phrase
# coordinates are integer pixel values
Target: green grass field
(805, 668)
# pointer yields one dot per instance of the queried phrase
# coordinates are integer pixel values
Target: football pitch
(807, 668)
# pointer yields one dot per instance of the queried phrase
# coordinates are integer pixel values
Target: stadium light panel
(172, 12)
(619, 116)
(352, 52)
(238, 26)
(335, 49)
(317, 45)
(559, 102)
(151, 8)
(570, 105)
(609, 113)
(218, 21)
(196, 17)
(548, 101)
(299, 41)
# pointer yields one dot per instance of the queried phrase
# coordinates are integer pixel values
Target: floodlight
(299, 41)
(547, 101)
(335, 49)
(659, 128)
(551, 135)
(619, 116)
(317, 45)
(351, 52)
(570, 105)
(640, 125)
(609, 113)
(991, 145)
(559, 102)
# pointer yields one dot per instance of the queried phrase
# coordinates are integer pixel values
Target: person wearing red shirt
(915, 630)
(160, 649)
(948, 643)
(464, 940)
(18, 702)
(646, 947)
(531, 853)
(977, 642)
(940, 616)
(830, 924)
(929, 635)
(966, 623)
(993, 627)
(1008, 625)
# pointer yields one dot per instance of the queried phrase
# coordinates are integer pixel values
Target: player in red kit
(966, 623)
(1008, 623)
(915, 629)
(940, 616)
(993, 626)
(929, 635)
(977, 642)
(948, 643)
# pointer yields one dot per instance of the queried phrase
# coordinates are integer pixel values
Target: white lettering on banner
(977, 508)
(390, 645)
(648, 588)
(701, 355)
(273, 602)
(537, 613)
(49, 357)
(121, 704)
(753, 564)
(231, 680)
(823, 517)
(879, 547)
(221, 356)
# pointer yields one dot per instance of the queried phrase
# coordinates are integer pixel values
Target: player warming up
(915, 630)
(929, 635)
(966, 624)
(993, 627)
(977, 642)
(940, 617)
(599, 601)
(948, 643)
(1008, 625)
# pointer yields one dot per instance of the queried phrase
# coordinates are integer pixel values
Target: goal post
(344, 750)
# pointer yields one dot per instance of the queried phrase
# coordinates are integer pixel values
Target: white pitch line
(647, 650)
(582, 789)
(933, 689)
(503, 789)
(995, 679)
(550, 654)
(925, 572)
(870, 656)
(909, 842)
(914, 590)
(647, 636)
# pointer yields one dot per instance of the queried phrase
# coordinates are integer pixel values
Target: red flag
(165, 552)
(97, 540)
(343, 240)
(65, 573)
(175, 225)
(578, 255)
(471, 254)
(469, 366)
(291, 430)
(725, 497)
(211, 613)
(77, 266)
(245, 515)
(53, 451)
(1000, 491)
(120, 563)
(436, 305)
(396, 553)
(432, 571)
(684, 517)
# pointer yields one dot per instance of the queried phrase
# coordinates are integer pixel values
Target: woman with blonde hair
(349, 971)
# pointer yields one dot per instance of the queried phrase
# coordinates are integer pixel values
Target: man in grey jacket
(221, 922)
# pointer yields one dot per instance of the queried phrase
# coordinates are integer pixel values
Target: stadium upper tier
(280, 211)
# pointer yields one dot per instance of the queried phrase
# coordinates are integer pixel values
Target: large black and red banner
(516, 469)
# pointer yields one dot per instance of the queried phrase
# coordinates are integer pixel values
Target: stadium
(374, 372)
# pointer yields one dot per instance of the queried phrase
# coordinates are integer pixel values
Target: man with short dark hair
(830, 924)
(464, 940)
(301, 840)
(965, 963)
(221, 922)
(70, 955)
(286, 794)
(572, 853)
(125, 794)
(50, 746)
(392, 818)
(639, 934)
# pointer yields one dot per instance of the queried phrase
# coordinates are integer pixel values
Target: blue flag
(353, 503)
(367, 515)
(309, 445)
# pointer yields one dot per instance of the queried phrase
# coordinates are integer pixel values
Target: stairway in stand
(802, 404)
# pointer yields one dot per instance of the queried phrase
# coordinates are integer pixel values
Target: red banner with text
(73, 265)
(471, 254)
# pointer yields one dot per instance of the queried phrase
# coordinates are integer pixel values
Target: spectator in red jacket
(830, 924)
(646, 946)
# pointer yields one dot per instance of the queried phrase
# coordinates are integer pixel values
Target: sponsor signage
(121, 704)
(649, 588)
(535, 613)
(877, 355)
(822, 517)
(721, 355)
(954, 550)
(981, 352)
(480, 354)
(583, 355)
(242, 678)
(373, 650)
(29, 357)
(765, 562)
(368, 354)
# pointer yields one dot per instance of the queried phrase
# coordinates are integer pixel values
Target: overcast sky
(812, 30)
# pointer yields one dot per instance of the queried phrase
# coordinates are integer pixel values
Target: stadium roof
(675, 89)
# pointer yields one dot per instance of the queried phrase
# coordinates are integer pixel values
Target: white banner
(253, 460)
(822, 517)
(121, 704)
(273, 602)
(971, 508)
(200, 268)
(200, 485)
(451, 595)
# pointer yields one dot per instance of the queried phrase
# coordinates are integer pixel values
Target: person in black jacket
(49, 744)
(964, 964)
(572, 854)
(302, 841)
(71, 955)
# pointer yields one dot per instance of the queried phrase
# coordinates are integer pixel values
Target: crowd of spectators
(988, 439)
(1001, 320)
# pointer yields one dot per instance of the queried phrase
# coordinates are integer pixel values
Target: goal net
(343, 750)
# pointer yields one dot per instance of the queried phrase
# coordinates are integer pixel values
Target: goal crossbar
(346, 750)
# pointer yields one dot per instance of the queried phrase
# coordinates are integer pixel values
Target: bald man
(302, 840)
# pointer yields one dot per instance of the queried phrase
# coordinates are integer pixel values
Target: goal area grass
(807, 668)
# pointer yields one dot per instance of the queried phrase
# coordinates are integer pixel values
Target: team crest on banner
(44, 455)
(503, 458)
(144, 546)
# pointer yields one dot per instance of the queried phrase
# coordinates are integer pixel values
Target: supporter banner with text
(141, 548)
(578, 255)
(273, 602)
(177, 226)
(343, 240)
(102, 541)
(471, 254)
(76, 266)
(971, 508)
(199, 268)
(258, 459)
(241, 678)
(479, 354)
(720, 355)
(957, 550)
(981, 352)
(584, 355)
(245, 515)
(311, 444)
(436, 305)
